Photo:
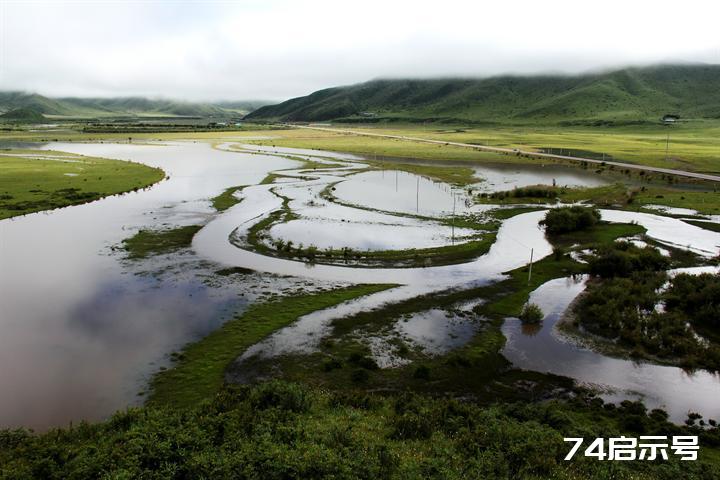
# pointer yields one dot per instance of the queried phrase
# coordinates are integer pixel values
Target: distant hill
(23, 115)
(117, 107)
(628, 95)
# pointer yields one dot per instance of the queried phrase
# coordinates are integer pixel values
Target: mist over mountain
(22, 105)
(626, 95)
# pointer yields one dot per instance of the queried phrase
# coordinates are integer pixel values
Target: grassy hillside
(118, 107)
(624, 96)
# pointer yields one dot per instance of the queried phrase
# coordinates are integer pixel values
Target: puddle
(403, 192)
(439, 331)
(502, 178)
(367, 236)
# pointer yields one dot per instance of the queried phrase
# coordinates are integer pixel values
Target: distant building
(670, 118)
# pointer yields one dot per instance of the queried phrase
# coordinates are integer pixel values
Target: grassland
(199, 371)
(693, 146)
(32, 181)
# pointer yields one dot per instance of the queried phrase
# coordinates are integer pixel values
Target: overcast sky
(276, 49)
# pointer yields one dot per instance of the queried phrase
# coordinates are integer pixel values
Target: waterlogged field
(355, 274)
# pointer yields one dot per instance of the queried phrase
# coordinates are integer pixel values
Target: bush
(531, 314)
(570, 219)
(282, 395)
(698, 296)
(622, 259)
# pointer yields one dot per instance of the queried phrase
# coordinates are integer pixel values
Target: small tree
(531, 314)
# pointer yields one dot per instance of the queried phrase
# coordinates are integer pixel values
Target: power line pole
(417, 195)
(530, 269)
(452, 222)
(667, 146)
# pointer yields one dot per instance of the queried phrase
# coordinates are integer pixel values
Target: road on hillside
(551, 156)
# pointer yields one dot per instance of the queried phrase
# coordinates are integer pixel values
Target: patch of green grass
(199, 372)
(706, 202)
(31, 183)
(616, 194)
(226, 199)
(153, 242)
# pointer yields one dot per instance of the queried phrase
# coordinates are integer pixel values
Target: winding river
(82, 329)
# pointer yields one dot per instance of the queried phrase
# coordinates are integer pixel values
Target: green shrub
(531, 314)
(282, 395)
(622, 259)
(570, 219)
(698, 296)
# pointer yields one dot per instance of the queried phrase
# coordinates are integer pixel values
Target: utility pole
(667, 146)
(452, 222)
(530, 269)
(417, 195)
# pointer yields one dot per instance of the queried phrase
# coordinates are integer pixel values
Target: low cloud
(279, 49)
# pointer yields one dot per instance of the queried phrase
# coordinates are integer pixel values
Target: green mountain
(118, 107)
(628, 95)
